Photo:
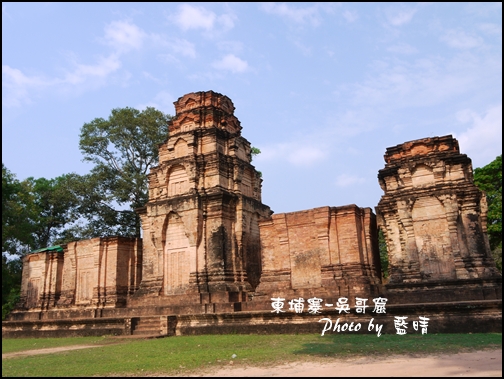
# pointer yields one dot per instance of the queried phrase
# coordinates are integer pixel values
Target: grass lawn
(179, 355)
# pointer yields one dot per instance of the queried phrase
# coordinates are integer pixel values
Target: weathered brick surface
(327, 251)
(432, 214)
(41, 279)
(213, 256)
(100, 272)
(200, 225)
(434, 221)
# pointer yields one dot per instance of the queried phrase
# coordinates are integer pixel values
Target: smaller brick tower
(201, 235)
(433, 216)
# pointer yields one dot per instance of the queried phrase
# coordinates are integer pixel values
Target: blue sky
(322, 89)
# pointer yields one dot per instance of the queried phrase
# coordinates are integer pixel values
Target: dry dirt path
(48, 350)
(478, 363)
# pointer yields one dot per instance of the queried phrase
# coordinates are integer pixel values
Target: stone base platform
(483, 316)
(445, 290)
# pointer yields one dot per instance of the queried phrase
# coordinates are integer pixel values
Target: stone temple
(213, 256)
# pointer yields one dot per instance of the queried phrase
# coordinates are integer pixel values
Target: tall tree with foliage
(11, 283)
(489, 180)
(16, 237)
(123, 148)
(55, 209)
(17, 214)
(99, 214)
(36, 213)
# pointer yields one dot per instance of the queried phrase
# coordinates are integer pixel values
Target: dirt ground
(477, 363)
(49, 350)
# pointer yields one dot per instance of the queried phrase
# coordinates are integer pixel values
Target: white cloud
(299, 15)
(305, 50)
(231, 63)
(305, 156)
(425, 81)
(171, 59)
(101, 70)
(398, 17)
(350, 16)
(232, 46)
(16, 77)
(197, 17)
(124, 36)
(482, 140)
(461, 40)
(206, 76)
(299, 154)
(163, 101)
(182, 47)
(149, 76)
(176, 47)
(345, 180)
(490, 28)
(194, 17)
(483, 9)
(16, 86)
(397, 88)
(20, 88)
(226, 21)
(348, 123)
(402, 48)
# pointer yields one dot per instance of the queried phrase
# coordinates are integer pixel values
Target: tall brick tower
(201, 236)
(434, 219)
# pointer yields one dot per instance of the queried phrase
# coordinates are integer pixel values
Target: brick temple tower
(213, 256)
(434, 217)
(201, 236)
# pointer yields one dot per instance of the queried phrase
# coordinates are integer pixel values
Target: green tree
(254, 151)
(36, 213)
(123, 148)
(96, 213)
(11, 284)
(17, 214)
(16, 236)
(54, 210)
(489, 180)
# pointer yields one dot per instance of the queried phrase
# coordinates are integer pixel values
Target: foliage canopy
(123, 148)
(489, 180)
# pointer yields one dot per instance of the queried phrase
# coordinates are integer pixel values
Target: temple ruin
(213, 256)
(434, 220)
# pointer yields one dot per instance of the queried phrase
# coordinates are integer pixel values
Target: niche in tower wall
(218, 248)
(176, 257)
(32, 295)
(178, 181)
(434, 249)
